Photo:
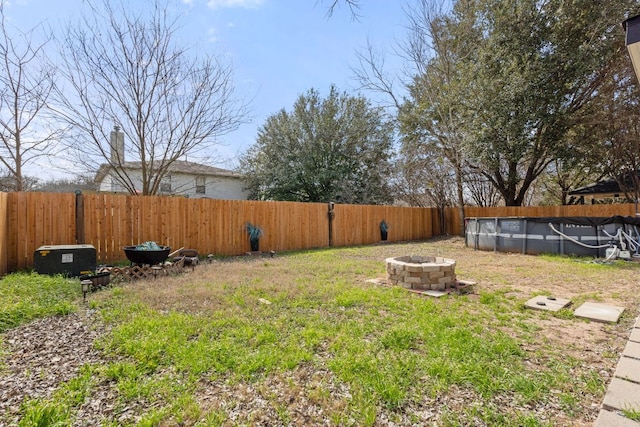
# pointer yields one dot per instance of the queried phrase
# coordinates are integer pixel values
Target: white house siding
(110, 184)
(216, 187)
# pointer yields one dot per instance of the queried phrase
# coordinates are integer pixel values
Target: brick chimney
(117, 146)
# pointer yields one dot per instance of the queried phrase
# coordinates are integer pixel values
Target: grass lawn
(303, 339)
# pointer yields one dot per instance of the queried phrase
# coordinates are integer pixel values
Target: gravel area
(43, 354)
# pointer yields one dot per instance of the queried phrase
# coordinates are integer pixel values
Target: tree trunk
(460, 191)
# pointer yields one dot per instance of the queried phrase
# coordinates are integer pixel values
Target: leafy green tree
(326, 149)
(538, 67)
(616, 128)
(502, 86)
(605, 141)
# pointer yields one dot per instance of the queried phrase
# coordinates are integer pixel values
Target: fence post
(331, 214)
(79, 218)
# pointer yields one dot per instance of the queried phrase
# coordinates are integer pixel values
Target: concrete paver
(622, 394)
(628, 369)
(599, 312)
(436, 294)
(543, 302)
(632, 349)
(612, 419)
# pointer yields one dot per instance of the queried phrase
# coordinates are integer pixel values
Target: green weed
(75, 391)
(41, 413)
(27, 296)
(632, 414)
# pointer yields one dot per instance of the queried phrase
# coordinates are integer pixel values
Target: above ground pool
(609, 237)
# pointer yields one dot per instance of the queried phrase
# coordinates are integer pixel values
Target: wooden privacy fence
(210, 226)
(452, 216)
(109, 222)
(33, 220)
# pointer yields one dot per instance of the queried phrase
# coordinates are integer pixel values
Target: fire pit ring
(422, 272)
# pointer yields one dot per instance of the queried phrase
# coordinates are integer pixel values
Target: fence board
(4, 233)
(22, 231)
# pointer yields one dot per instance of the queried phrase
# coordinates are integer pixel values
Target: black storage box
(70, 260)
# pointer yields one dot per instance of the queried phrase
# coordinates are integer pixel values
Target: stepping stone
(612, 419)
(436, 294)
(543, 302)
(428, 292)
(464, 283)
(622, 394)
(628, 369)
(599, 312)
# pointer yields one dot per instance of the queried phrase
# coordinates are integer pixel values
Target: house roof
(178, 166)
(605, 186)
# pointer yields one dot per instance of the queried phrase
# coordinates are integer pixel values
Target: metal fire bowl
(151, 257)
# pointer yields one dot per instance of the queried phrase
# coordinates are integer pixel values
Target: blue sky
(279, 48)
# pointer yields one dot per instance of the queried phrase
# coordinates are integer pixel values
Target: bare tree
(482, 193)
(430, 52)
(423, 178)
(354, 5)
(67, 185)
(370, 73)
(8, 183)
(125, 68)
(25, 86)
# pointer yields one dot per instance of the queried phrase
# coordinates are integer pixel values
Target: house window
(200, 184)
(165, 184)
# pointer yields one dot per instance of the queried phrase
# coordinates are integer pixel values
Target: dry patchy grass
(519, 276)
(507, 280)
(315, 387)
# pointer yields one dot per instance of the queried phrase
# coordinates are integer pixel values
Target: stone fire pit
(422, 272)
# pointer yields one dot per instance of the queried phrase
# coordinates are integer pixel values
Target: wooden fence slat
(4, 233)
